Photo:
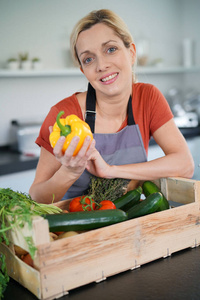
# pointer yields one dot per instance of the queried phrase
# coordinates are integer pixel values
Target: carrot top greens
(16, 210)
(4, 278)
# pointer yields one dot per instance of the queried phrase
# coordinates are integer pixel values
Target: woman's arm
(177, 161)
(55, 174)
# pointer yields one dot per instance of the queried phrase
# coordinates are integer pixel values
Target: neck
(112, 107)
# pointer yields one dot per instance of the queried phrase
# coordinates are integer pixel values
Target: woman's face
(105, 61)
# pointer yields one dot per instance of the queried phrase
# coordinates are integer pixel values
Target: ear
(133, 52)
(81, 70)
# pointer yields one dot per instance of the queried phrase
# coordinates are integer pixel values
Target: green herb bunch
(4, 278)
(107, 189)
(17, 209)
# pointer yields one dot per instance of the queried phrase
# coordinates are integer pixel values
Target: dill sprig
(4, 278)
(107, 189)
(16, 210)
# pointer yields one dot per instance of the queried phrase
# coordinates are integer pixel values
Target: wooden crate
(92, 256)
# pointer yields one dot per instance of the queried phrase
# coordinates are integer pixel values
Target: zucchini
(84, 220)
(129, 199)
(149, 188)
(147, 206)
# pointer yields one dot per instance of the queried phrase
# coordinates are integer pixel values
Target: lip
(110, 80)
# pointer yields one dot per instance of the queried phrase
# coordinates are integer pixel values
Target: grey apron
(120, 148)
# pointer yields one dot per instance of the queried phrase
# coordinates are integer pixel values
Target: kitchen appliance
(187, 120)
(23, 136)
(183, 118)
(192, 103)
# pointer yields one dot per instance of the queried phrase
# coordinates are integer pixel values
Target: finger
(58, 147)
(91, 148)
(50, 129)
(86, 144)
(72, 147)
(83, 151)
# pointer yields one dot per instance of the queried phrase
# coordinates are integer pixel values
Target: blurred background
(36, 69)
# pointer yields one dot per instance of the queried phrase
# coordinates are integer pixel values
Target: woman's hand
(97, 166)
(87, 158)
(74, 164)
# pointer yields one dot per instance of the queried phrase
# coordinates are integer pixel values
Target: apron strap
(90, 114)
(131, 120)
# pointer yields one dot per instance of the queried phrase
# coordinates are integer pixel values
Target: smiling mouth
(109, 77)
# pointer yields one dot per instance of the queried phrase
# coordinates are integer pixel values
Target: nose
(102, 64)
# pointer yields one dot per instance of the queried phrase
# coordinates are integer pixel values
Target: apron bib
(120, 148)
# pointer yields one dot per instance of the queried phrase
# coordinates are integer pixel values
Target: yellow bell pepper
(70, 127)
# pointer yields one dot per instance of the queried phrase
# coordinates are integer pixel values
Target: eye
(87, 60)
(112, 49)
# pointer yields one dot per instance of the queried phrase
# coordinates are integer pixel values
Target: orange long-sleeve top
(150, 109)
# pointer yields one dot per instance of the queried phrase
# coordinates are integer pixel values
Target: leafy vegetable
(107, 189)
(16, 210)
(4, 278)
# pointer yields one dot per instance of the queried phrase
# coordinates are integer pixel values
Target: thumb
(50, 129)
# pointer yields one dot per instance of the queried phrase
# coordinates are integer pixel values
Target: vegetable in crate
(106, 204)
(149, 188)
(85, 220)
(110, 189)
(86, 203)
(82, 203)
(28, 260)
(16, 209)
(129, 199)
(4, 278)
(147, 206)
(69, 127)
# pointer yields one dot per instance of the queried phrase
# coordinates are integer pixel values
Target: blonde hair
(106, 17)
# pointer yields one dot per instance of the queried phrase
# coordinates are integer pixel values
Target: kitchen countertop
(12, 161)
(175, 277)
(188, 133)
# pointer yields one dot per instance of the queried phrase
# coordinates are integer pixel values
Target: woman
(122, 114)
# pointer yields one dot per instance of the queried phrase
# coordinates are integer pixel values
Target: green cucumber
(149, 188)
(84, 220)
(147, 206)
(129, 199)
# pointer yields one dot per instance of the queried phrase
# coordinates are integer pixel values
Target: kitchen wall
(42, 29)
